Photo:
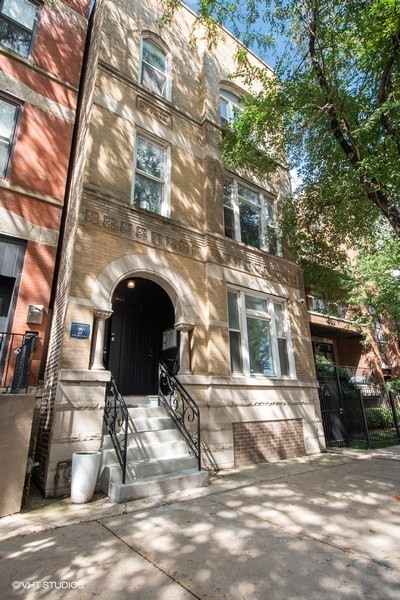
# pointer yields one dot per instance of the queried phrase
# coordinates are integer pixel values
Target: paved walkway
(325, 527)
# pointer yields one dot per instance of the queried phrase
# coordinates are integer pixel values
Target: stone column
(98, 339)
(184, 347)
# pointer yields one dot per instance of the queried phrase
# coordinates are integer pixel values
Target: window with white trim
(250, 216)
(259, 335)
(9, 112)
(229, 106)
(150, 190)
(155, 69)
(18, 19)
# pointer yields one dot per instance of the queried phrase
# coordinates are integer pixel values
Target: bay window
(249, 216)
(258, 335)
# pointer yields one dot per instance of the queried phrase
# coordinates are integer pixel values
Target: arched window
(230, 108)
(155, 70)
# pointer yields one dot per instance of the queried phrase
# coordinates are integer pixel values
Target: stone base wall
(288, 412)
(267, 441)
(242, 421)
(77, 424)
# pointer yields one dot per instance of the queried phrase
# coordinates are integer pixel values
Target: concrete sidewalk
(317, 527)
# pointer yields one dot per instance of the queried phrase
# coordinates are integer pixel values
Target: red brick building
(41, 52)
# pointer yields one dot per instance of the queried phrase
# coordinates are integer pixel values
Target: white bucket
(85, 468)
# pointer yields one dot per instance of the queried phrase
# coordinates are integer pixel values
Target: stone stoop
(158, 458)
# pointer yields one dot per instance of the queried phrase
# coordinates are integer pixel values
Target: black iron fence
(16, 350)
(355, 411)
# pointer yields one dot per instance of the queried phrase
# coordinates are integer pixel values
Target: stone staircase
(158, 459)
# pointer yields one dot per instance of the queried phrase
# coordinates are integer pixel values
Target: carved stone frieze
(142, 233)
(255, 265)
(160, 233)
(154, 111)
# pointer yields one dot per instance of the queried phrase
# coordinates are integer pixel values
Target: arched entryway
(140, 333)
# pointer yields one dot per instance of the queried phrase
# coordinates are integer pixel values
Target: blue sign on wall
(80, 330)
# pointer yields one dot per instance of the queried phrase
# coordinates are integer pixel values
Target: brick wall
(67, 259)
(266, 441)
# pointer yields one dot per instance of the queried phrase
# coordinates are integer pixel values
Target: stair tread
(164, 477)
(159, 460)
(151, 461)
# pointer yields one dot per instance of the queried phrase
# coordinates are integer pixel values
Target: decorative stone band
(17, 226)
(16, 88)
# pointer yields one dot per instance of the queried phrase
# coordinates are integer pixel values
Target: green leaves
(332, 111)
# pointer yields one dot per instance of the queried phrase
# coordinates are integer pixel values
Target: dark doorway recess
(135, 335)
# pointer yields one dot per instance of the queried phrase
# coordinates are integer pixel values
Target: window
(327, 307)
(249, 216)
(229, 107)
(258, 335)
(150, 189)
(9, 112)
(17, 24)
(155, 69)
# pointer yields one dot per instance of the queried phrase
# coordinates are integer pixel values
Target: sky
(268, 56)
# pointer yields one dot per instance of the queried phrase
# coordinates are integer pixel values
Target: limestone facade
(181, 250)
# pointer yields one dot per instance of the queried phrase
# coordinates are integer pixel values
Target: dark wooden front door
(139, 353)
(141, 313)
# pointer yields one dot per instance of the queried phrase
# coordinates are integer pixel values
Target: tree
(375, 281)
(332, 111)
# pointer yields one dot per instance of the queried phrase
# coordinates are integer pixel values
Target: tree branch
(351, 150)
(382, 94)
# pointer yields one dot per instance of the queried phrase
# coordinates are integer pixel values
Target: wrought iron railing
(16, 350)
(181, 407)
(116, 418)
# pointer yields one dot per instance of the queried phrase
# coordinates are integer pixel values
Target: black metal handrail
(116, 418)
(16, 350)
(181, 407)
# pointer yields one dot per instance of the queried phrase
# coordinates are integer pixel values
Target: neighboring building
(334, 333)
(169, 255)
(41, 52)
(372, 355)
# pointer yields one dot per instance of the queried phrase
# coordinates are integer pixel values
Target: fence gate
(362, 415)
(332, 410)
